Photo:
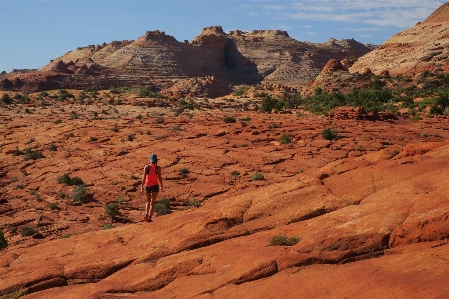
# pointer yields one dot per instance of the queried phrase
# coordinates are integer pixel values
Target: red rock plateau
(366, 215)
(157, 61)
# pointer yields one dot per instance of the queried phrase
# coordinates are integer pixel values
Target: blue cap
(153, 158)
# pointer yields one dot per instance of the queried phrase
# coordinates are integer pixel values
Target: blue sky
(34, 31)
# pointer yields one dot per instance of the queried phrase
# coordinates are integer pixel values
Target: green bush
(283, 240)
(160, 120)
(194, 203)
(240, 91)
(115, 129)
(229, 119)
(235, 175)
(285, 139)
(329, 134)
(112, 209)
(108, 226)
(53, 147)
(65, 179)
(76, 181)
(6, 99)
(79, 193)
(162, 207)
(184, 172)
(257, 176)
(416, 118)
(58, 121)
(53, 206)
(27, 230)
(32, 155)
(3, 241)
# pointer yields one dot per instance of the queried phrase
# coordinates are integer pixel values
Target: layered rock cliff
(410, 52)
(157, 61)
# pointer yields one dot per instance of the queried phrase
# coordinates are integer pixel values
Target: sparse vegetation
(229, 119)
(162, 207)
(67, 180)
(53, 147)
(112, 209)
(257, 176)
(27, 230)
(107, 226)
(184, 172)
(235, 175)
(285, 139)
(283, 240)
(3, 241)
(194, 203)
(329, 134)
(7, 99)
(79, 193)
(53, 206)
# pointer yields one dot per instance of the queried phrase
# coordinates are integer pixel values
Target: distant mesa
(158, 59)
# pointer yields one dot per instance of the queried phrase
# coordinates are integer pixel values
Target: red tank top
(151, 176)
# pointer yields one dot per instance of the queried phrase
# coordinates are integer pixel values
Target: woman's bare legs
(147, 205)
(153, 197)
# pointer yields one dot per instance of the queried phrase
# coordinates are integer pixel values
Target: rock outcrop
(412, 51)
(157, 59)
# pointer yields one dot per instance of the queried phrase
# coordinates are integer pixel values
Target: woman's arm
(159, 176)
(143, 178)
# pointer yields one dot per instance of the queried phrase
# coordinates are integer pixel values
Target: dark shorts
(154, 188)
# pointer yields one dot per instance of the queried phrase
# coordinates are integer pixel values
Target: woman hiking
(150, 179)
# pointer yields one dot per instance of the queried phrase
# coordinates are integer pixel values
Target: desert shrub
(64, 95)
(32, 155)
(79, 193)
(112, 209)
(194, 203)
(93, 139)
(184, 172)
(160, 120)
(74, 115)
(416, 118)
(53, 147)
(268, 104)
(131, 137)
(260, 94)
(61, 194)
(235, 175)
(229, 119)
(64, 179)
(3, 241)
(329, 134)
(285, 139)
(162, 137)
(162, 207)
(58, 121)
(53, 206)
(283, 240)
(27, 230)
(107, 226)
(273, 126)
(257, 176)
(115, 129)
(37, 196)
(240, 91)
(144, 93)
(6, 99)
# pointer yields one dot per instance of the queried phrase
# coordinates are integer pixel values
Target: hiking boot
(145, 219)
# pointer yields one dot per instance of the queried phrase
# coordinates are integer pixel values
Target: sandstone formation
(158, 61)
(369, 211)
(412, 51)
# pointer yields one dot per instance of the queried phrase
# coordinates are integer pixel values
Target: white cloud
(282, 27)
(385, 13)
